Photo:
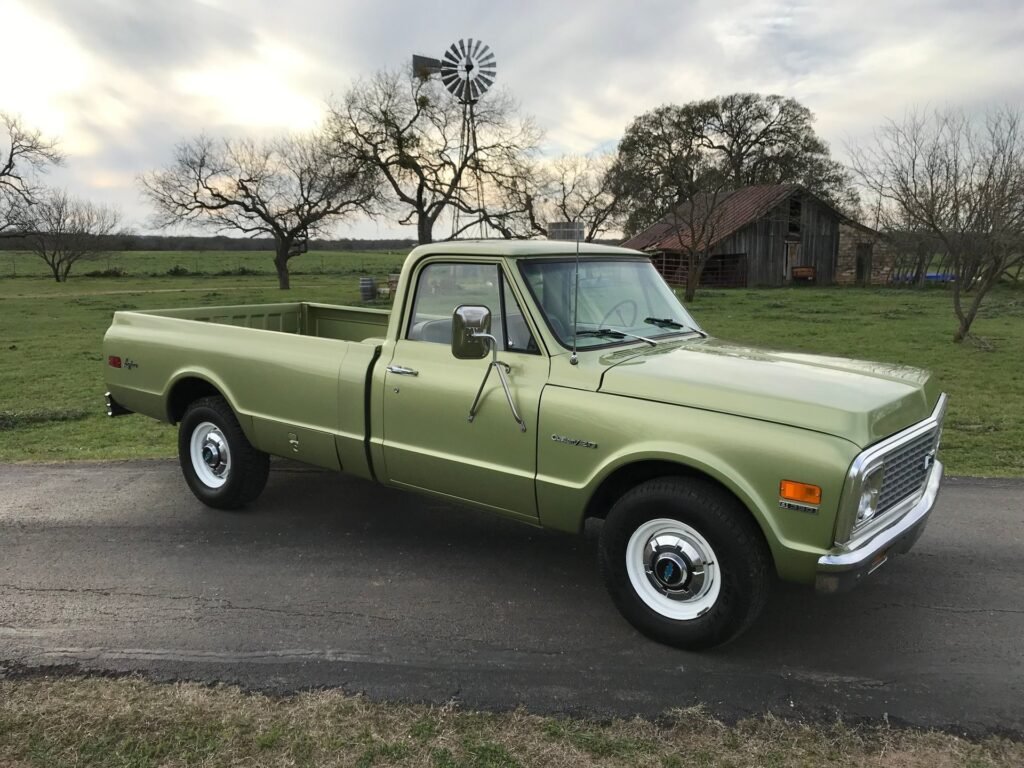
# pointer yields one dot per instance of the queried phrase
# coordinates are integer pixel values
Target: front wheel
(220, 465)
(684, 562)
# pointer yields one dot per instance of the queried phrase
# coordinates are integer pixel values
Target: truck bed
(325, 321)
(295, 373)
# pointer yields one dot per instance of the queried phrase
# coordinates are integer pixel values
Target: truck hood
(860, 401)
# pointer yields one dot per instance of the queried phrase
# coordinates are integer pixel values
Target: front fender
(747, 456)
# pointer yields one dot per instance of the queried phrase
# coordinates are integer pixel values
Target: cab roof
(519, 249)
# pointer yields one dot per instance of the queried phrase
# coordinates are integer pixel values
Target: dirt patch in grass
(21, 419)
(130, 723)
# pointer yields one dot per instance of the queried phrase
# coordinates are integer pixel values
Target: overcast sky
(120, 81)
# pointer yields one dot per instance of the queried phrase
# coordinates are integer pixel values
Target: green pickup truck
(551, 386)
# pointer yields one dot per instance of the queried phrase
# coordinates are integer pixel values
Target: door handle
(401, 370)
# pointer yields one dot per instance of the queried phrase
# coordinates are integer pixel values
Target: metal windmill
(467, 70)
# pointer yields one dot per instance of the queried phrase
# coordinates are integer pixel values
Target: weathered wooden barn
(766, 235)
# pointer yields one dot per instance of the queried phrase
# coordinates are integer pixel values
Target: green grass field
(51, 371)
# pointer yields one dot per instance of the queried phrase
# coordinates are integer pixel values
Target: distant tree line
(127, 241)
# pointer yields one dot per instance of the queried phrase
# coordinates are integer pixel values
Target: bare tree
(289, 188)
(411, 130)
(24, 153)
(64, 230)
(961, 181)
(569, 188)
(695, 225)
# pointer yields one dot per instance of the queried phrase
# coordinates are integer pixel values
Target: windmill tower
(467, 70)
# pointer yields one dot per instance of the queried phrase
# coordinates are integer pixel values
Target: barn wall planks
(799, 231)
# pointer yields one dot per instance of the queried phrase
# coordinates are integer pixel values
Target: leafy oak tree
(734, 141)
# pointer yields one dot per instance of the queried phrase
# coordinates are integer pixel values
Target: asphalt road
(331, 581)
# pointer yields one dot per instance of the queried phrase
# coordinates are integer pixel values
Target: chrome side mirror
(471, 328)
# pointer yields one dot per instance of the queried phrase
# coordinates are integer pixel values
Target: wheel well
(631, 475)
(186, 392)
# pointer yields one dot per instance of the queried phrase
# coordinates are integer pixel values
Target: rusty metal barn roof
(734, 211)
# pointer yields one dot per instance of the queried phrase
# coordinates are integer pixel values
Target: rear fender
(175, 405)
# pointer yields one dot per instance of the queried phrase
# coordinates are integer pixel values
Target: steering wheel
(618, 309)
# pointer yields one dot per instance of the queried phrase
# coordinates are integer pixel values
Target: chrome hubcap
(211, 457)
(675, 566)
(673, 569)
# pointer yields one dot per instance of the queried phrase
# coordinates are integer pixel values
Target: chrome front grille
(906, 460)
(906, 469)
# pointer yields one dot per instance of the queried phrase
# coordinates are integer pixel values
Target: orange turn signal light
(805, 493)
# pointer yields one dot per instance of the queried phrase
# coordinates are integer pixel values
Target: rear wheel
(684, 562)
(220, 465)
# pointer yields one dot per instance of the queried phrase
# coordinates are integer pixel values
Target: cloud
(152, 36)
(121, 81)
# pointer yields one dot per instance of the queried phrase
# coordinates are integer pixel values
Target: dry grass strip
(122, 723)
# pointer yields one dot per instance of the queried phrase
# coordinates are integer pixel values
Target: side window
(517, 332)
(443, 287)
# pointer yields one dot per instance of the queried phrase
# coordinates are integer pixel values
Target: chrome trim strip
(909, 524)
(864, 464)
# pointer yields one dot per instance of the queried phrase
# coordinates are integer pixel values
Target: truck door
(429, 442)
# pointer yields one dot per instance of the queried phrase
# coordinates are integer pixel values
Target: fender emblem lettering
(810, 510)
(573, 441)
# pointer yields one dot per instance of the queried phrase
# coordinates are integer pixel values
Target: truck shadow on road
(544, 587)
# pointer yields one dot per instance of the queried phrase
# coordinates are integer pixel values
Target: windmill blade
(468, 69)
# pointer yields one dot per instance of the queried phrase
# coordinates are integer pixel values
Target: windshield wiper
(668, 322)
(615, 334)
(663, 322)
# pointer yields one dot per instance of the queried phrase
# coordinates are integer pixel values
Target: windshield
(619, 301)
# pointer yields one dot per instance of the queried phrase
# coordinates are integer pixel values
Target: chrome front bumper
(843, 570)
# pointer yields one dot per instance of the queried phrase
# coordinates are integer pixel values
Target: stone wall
(850, 237)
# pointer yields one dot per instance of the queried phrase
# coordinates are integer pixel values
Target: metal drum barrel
(367, 288)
